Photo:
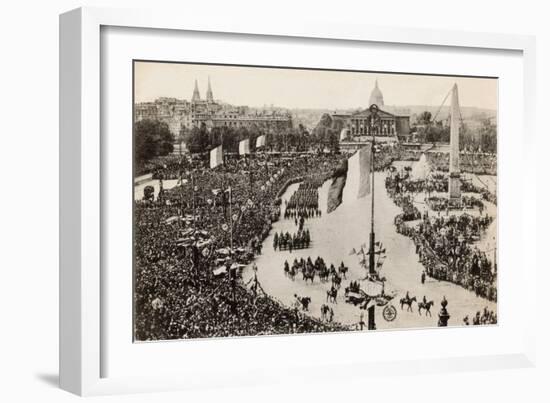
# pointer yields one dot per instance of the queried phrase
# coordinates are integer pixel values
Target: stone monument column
(454, 157)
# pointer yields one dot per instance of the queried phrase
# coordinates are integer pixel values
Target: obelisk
(454, 157)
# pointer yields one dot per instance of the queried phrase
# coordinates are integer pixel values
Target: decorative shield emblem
(389, 313)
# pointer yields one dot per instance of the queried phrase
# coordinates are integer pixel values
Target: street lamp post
(373, 123)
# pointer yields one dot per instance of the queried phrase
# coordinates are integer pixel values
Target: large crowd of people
(476, 163)
(487, 317)
(446, 244)
(184, 236)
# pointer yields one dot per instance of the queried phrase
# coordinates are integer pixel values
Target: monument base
(454, 187)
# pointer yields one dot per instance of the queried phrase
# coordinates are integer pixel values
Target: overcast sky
(293, 88)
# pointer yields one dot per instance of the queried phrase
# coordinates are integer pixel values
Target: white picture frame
(81, 165)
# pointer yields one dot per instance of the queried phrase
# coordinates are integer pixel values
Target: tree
(334, 143)
(425, 118)
(198, 140)
(152, 139)
(435, 133)
(488, 136)
(182, 135)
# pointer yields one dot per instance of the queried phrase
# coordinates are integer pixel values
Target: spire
(196, 95)
(376, 96)
(209, 95)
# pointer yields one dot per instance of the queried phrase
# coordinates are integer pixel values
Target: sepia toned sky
(293, 88)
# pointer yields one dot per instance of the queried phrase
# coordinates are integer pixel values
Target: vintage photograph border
(80, 179)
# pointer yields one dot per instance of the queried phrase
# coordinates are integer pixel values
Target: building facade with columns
(394, 124)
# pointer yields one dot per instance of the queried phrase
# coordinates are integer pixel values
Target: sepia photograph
(273, 200)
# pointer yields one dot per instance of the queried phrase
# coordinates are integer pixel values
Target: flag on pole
(351, 181)
(260, 141)
(216, 157)
(344, 134)
(244, 147)
(228, 191)
(226, 200)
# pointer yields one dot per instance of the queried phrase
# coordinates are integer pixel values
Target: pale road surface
(333, 236)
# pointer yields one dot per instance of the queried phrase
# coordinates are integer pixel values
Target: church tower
(209, 95)
(376, 96)
(196, 95)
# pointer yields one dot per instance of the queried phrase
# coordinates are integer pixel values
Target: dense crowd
(446, 244)
(477, 163)
(438, 182)
(183, 236)
(437, 203)
(487, 317)
(401, 199)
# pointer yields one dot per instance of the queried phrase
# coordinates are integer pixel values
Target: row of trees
(327, 132)
(152, 138)
(200, 139)
(483, 137)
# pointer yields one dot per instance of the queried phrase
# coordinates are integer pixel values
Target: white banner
(244, 147)
(216, 157)
(260, 141)
(358, 177)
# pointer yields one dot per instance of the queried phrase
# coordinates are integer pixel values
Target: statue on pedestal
(443, 314)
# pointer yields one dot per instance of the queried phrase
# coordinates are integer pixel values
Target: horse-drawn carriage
(355, 298)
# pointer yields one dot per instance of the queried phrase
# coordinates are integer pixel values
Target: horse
(323, 275)
(407, 301)
(426, 306)
(287, 269)
(332, 294)
(342, 270)
(292, 273)
(308, 275)
(336, 281)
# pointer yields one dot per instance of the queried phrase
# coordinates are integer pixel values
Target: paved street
(334, 235)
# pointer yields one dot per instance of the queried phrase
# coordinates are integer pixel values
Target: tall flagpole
(230, 221)
(194, 207)
(372, 269)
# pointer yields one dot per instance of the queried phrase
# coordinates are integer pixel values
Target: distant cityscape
(180, 113)
(398, 123)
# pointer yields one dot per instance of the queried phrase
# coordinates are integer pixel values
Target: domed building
(356, 130)
(376, 96)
